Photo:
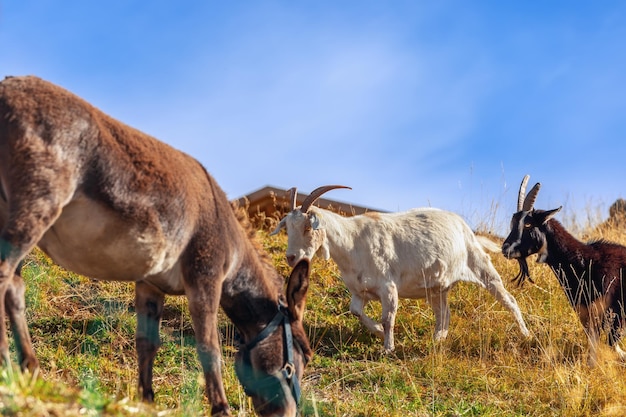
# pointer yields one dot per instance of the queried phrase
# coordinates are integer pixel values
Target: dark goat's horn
(529, 201)
(317, 193)
(522, 193)
(293, 196)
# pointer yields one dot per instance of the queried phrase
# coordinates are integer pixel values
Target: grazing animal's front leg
(204, 294)
(357, 304)
(615, 333)
(389, 301)
(438, 301)
(591, 322)
(149, 305)
(15, 308)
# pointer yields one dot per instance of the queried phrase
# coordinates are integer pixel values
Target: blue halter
(269, 383)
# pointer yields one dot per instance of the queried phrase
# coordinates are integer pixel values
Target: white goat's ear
(315, 221)
(281, 225)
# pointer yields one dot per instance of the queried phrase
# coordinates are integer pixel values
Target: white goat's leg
(496, 288)
(438, 301)
(357, 304)
(389, 302)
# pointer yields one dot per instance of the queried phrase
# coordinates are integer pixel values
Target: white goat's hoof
(441, 335)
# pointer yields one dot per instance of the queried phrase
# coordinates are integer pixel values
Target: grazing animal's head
(305, 235)
(528, 232)
(270, 366)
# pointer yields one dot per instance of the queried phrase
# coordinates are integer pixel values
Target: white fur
(421, 253)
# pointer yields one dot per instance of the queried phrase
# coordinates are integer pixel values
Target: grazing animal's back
(122, 165)
(411, 243)
(135, 198)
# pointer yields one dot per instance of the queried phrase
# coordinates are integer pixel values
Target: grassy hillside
(83, 333)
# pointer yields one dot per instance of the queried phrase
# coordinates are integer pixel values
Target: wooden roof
(273, 200)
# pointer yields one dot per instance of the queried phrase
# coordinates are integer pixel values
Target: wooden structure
(274, 202)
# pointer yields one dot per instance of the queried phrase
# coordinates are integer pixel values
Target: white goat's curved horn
(529, 201)
(293, 196)
(317, 193)
(522, 192)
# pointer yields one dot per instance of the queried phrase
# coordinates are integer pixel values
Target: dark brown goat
(591, 274)
(107, 201)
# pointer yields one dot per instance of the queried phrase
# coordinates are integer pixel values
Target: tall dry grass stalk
(83, 332)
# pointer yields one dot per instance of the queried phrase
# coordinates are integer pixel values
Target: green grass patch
(83, 333)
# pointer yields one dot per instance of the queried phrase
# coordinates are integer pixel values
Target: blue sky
(411, 103)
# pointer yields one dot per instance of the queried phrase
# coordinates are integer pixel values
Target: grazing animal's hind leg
(149, 305)
(32, 201)
(34, 196)
(591, 322)
(496, 288)
(15, 307)
(24, 229)
(493, 284)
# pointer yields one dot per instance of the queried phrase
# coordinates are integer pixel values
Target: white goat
(420, 253)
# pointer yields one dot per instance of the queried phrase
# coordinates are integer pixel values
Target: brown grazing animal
(591, 274)
(110, 202)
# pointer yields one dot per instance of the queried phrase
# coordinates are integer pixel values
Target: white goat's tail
(488, 244)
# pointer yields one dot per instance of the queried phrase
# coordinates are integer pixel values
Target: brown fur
(591, 274)
(110, 202)
(374, 215)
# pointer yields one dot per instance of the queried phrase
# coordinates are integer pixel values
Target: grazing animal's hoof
(441, 335)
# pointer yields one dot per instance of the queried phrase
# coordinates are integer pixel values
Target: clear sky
(411, 103)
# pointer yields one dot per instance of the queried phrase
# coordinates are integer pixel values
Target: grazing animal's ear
(281, 225)
(547, 215)
(297, 289)
(314, 221)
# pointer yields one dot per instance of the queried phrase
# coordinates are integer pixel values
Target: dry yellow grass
(83, 333)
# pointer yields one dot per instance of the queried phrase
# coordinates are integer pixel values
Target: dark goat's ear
(297, 288)
(547, 215)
